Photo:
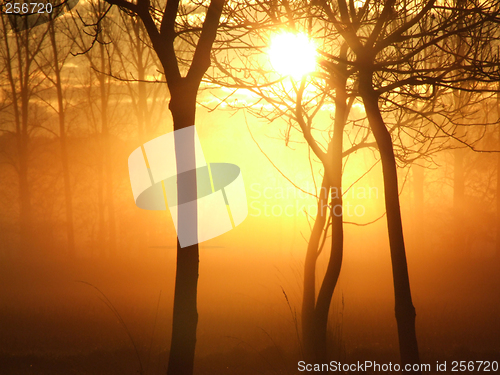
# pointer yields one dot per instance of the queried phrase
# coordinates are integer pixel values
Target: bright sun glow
(293, 54)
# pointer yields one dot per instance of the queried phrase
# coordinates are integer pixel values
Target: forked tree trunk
(405, 312)
(334, 171)
(315, 311)
(309, 334)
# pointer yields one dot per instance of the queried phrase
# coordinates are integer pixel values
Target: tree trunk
(101, 221)
(498, 180)
(498, 198)
(70, 231)
(142, 97)
(26, 219)
(418, 188)
(405, 312)
(25, 216)
(185, 316)
(459, 234)
(106, 144)
(315, 312)
(309, 334)
(459, 238)
(183, 92)
(17, 67)
(64, 147)
(334, 172)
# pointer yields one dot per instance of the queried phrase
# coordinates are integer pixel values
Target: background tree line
(80, 92)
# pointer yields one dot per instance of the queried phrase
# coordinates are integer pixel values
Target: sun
(293, 54)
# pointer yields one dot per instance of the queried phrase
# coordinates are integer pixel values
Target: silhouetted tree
(498, 179)
(162, 28)
(101, 87)
(240, 66)
(384, 68)
(52, 69)
(21, 74)
(140, 73)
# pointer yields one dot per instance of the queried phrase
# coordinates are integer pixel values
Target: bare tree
(498, 180)
(51, 64)
(21, 73)
(160, 22)
(239, 67)
(140, 71)
(384, 68)
(101, 88)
